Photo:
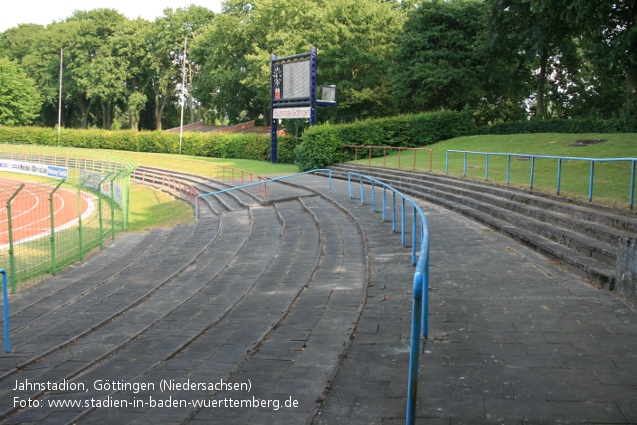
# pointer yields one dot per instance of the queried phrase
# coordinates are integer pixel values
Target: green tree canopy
(19, 100)
(436, 63)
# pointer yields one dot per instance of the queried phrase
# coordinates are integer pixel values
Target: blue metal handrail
(420, 307)
(5, 299)
(258, 183)
(559, 168)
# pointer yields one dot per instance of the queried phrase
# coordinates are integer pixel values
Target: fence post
(99, 210)
(5, 297)
(10, 230)
(53, 263)
(113, 206)
(79, 215)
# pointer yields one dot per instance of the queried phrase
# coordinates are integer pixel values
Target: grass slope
(612, 180)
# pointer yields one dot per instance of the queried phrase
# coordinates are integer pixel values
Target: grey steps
(277, 276)
(584, 239)
(217, 204)
(622, 220)
(93, 306)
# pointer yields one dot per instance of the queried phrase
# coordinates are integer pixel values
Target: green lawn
(611, 184)
(204, 165)
(151, 208)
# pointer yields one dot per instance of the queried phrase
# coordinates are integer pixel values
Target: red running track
(30, 210)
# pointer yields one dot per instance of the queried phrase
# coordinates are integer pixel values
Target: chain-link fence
(56, 205)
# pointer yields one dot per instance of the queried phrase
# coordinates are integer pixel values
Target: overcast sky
(43, 12)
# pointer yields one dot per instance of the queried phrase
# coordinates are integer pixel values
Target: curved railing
(420, 308)
(559, 159)
(245, 186)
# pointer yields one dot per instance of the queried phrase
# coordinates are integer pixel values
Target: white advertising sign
(287, 113)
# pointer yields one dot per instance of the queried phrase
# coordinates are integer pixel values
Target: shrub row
(561, 126)
(218, 145)
(322, 144)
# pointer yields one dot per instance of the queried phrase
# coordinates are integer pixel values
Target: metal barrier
(384, 148)
(420, 308)
(47, 223)
(193, 166)
(559, 159)
(258, 183)
(157, 178)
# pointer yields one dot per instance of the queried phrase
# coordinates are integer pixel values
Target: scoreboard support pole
(273, 126)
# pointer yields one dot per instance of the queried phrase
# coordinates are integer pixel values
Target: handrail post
(632, 184)
(465, 166)
(508, 169)
(414, 232)
(559, 174)
(360, 181)
(447, 162)
(5, 298)
(590, 182)
(384, 203)
(393, 213)
(414, 351)
(532, 171)
(373, 197)
(486, 168)
(402, 222)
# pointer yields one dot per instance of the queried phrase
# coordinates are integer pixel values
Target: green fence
(56, 205)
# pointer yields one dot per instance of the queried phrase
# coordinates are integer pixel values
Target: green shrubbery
(218, 145)
(575, 126)
(322, 144)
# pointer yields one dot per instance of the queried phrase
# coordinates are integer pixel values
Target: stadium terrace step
(582, 236)
(213, 205)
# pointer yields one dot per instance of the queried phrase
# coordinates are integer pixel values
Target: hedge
(321, 145)
(576, 126)
(217, 145)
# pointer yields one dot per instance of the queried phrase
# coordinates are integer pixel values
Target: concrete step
(581, 238)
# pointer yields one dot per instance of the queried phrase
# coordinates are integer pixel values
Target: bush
(217, 145)
(322, 144)
(561, 126)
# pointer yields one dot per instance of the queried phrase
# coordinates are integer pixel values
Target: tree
(166, 41)
(540, 41)
(91, 71)
(19, 100)
(357, 48)
(436, 64)
(611, 29)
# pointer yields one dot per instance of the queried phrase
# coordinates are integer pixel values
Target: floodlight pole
(183, 94)
(60, 97)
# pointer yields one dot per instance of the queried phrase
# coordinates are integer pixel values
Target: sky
(44, 12)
